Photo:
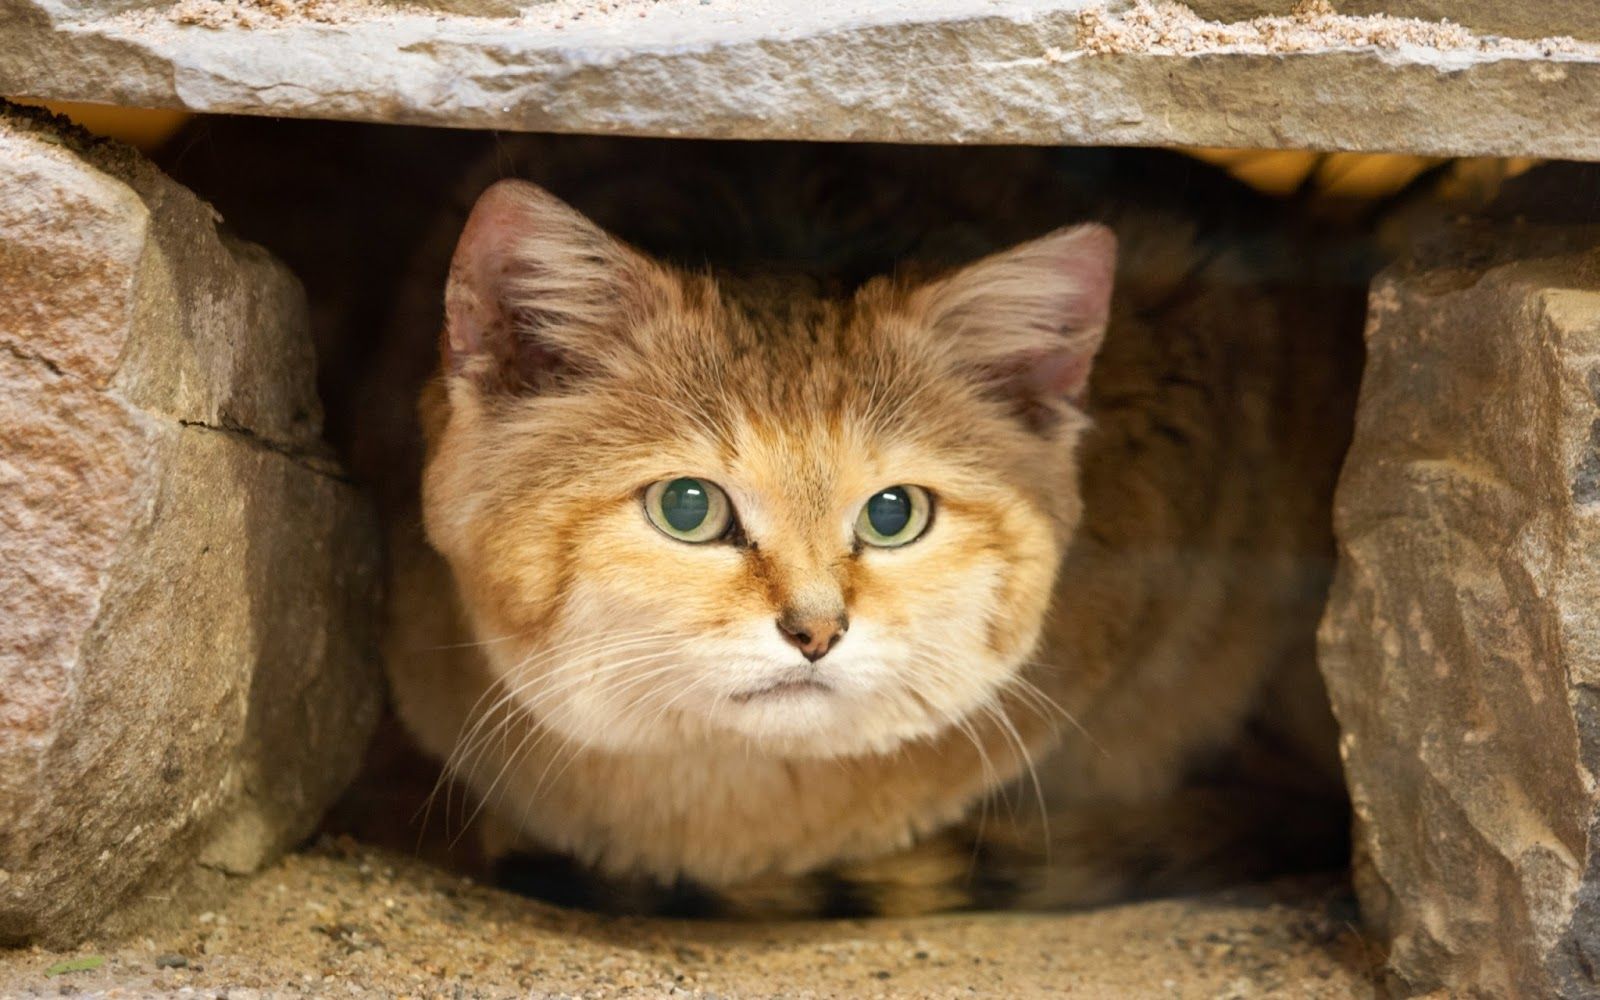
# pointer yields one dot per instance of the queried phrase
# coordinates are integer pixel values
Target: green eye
(690, 510)
(894, 516)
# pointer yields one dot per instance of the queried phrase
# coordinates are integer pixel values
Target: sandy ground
(351, 921)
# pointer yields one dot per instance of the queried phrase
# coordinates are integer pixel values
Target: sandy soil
(351, 921)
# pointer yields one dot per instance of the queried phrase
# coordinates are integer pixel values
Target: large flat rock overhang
(919, 71)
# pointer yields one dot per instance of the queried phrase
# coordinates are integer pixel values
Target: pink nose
(813, 637)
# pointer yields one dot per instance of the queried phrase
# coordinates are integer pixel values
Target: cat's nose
(813, 636)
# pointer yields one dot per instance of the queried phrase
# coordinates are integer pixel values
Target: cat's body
(1038, 743)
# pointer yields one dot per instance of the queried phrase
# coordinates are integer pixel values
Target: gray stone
(186, 582)
(1462, 642)
(996, 71)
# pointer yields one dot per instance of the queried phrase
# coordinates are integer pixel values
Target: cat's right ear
(537, 293)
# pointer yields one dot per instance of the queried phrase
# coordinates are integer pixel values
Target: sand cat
(872, 531)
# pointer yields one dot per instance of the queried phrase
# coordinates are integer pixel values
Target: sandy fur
(1115, 578)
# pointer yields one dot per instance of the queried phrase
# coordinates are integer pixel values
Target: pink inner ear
(1062, 373)
(1087, 263)
(477, 323)
(1087, 260)
(1028, 321)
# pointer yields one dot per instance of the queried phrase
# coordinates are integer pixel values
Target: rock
(1461, 645)
(940, 71)
(186, 581)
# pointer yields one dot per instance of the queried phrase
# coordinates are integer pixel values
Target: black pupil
(685, 504)
(889, 512)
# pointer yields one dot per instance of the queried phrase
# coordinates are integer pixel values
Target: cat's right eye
(688, 509)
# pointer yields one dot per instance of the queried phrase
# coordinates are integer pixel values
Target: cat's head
(673, 508)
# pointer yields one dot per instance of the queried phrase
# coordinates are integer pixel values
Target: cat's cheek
(931, 585)
(970, 607)
(694, 584)
(1025, 548)
(1024, 602)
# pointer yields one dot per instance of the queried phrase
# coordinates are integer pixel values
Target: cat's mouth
(790, 688)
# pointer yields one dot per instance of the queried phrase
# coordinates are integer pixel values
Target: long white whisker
(999, 714)
(465, 742)
(577, 655)
(528, 709)
(474, 740)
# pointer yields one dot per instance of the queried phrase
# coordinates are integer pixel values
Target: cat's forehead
(806, 457)
(784, 319)
(812, 477)
(809, 394)
(802, 398)
(805, 389)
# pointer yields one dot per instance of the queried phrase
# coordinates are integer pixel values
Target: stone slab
(924, 71)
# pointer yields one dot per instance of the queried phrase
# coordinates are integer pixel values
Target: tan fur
(1110, 587)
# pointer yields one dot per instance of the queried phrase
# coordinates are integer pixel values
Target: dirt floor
(343, 920)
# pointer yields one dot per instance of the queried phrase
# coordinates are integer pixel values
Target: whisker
(527, 710)
(471, 742)
(1033, 772)
(1057, 706)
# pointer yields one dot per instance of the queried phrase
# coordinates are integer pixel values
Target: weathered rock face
(1462, 643)
(186, 584)
(1117, 72)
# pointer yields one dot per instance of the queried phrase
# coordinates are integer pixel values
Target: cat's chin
(787, 719)
(813, 721)
(785, 713)
(782, 691)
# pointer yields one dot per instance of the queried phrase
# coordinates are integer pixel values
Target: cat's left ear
(1028, 321)
(538, 293)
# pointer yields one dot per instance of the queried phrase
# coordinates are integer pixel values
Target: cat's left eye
(894, 516)
(688, 509)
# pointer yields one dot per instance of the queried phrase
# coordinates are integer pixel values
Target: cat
(875, 531)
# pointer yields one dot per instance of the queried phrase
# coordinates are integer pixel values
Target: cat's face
(674, 512)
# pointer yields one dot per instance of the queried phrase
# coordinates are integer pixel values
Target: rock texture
(186, 584)
(1576, 18)
(1462, 642)
(1007, 71)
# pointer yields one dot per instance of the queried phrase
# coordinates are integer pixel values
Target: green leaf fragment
(87, 963)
